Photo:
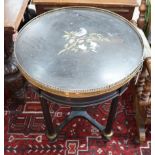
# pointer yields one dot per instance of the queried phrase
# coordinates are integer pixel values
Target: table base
(106, 131)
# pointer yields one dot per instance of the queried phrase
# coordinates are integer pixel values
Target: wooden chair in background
(142, 100)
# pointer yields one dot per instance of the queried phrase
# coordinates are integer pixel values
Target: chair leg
(140, 124)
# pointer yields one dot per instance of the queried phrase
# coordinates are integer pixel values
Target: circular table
(79, 56)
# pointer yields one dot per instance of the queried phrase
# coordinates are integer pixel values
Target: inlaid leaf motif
(82, 41)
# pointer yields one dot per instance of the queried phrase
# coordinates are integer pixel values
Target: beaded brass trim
(81, 93)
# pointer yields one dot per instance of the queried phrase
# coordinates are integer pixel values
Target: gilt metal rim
(87, 92)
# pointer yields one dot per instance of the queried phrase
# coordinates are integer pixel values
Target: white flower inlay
(82, 41)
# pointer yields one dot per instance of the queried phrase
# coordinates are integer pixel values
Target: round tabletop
(79, 51)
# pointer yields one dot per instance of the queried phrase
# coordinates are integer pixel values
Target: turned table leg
(51, 134)
(108, 130)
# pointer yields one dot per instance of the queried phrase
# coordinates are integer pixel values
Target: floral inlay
(82, 41)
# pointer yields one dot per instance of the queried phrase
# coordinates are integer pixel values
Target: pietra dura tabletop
(78, 53)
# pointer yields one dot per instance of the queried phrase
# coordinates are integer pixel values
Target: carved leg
(107, 133)
(51, 134)
(141, 129)
(14, 82)
(141, 19)
(142, 100)
(140, 122)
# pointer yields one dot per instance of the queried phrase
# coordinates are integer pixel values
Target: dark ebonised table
(79, 57)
